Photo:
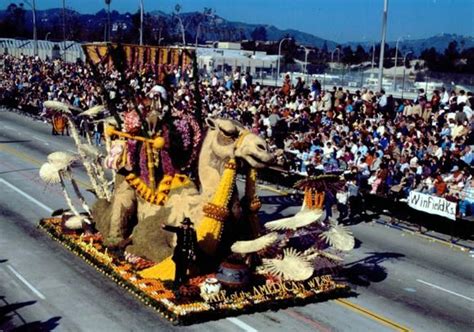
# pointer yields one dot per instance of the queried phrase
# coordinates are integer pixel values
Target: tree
(347, 56)
(259, 33)
(360, 55)
(14, 22)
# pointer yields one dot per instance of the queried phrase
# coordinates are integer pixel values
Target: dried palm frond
(247, 247)
(94, 111)
(109, 121)
(61, 159)
(321, 183)
(339, 237)
(90, 151)
(299, 220)
(293, 266)
(57, 106)
(49, 173)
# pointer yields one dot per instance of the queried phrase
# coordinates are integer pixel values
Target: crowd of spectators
(390, 147)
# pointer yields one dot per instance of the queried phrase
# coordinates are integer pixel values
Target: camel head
(229, 139)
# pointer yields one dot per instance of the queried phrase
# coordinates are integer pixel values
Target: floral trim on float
(198, 301)
(222, 259)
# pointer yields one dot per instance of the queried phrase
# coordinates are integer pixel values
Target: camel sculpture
(225, 141)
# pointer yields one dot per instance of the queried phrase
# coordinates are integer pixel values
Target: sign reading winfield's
(432, 204)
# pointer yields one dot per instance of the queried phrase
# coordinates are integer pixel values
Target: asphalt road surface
(401, 281)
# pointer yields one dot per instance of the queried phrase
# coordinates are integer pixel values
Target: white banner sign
(432, 204)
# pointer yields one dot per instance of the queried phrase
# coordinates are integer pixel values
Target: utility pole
(107, 33)
(395, 67)
(35, 36)
(382, 46)
(64, 29)
(404, 67)
(141, 22)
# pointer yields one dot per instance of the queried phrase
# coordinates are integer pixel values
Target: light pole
(395, 67)
(107, 34)
(35, 36)
(198, 30)
(64, 29)
(404, 67)
(373, 59)
(47, 35)
(278, 60)
(177, 9)
(306, 52)
(141, 22)
(382, 46)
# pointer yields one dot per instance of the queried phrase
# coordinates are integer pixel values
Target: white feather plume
(299, 220)
(339, 237)
(49, 173)
(61, 159)
(293, 266)
(247, 247)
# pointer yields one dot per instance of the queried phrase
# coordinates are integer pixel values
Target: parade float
(169, 224)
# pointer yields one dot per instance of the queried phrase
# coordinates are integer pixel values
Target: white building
(225, 60)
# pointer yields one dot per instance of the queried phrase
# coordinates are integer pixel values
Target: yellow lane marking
(32, 160)
(372, 315)
(265, 187)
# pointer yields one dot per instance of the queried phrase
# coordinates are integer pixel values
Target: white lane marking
(27, 284)
(28, 197)
(241, 324)
(40, 139)
(446, 290)
(8, 127)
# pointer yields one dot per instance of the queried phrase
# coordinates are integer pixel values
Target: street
(400, 282)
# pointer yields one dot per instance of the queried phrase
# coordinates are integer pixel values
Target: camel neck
(211, 167)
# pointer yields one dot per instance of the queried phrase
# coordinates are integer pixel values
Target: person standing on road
(185, 251)
(98, 130)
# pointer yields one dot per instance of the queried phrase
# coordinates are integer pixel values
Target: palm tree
(61, 162)
(65, 110)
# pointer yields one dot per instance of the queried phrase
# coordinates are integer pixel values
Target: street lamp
(338, 55)
(278, 60)
(404, 67)
(306, 52)
(47, 35)
(35, 37)
(395, 67)
(382, 46)
(141, 22)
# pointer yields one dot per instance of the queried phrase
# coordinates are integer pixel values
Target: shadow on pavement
(288, 200)
(368, 270)
(3, 261)
(48, 325)
(18, 141)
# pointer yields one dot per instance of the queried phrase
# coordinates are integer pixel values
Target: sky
(337, 20)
